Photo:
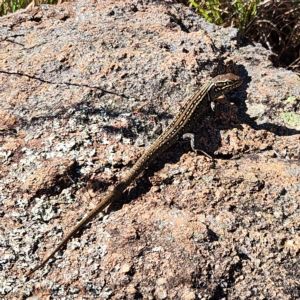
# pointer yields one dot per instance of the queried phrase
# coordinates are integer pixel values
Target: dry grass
(273, 23)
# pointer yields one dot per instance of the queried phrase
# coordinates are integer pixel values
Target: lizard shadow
(245, 118)
(207, 139)
(208, 136)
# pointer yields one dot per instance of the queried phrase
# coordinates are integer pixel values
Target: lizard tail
(111, 197)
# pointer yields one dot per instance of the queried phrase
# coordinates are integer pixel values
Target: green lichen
(291, 99)
(291, 119)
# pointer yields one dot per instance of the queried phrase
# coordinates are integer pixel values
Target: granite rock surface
(83, 84)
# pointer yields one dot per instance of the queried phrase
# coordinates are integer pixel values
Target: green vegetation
(11, 6)
(239, 13)
(273, 23)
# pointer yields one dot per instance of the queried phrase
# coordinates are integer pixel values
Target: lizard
(194, 107)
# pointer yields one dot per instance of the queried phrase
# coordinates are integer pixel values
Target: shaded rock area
(83, 85)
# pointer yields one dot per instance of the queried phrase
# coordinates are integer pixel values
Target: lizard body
(194, 108)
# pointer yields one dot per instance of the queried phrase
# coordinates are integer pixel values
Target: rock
(80, 84)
